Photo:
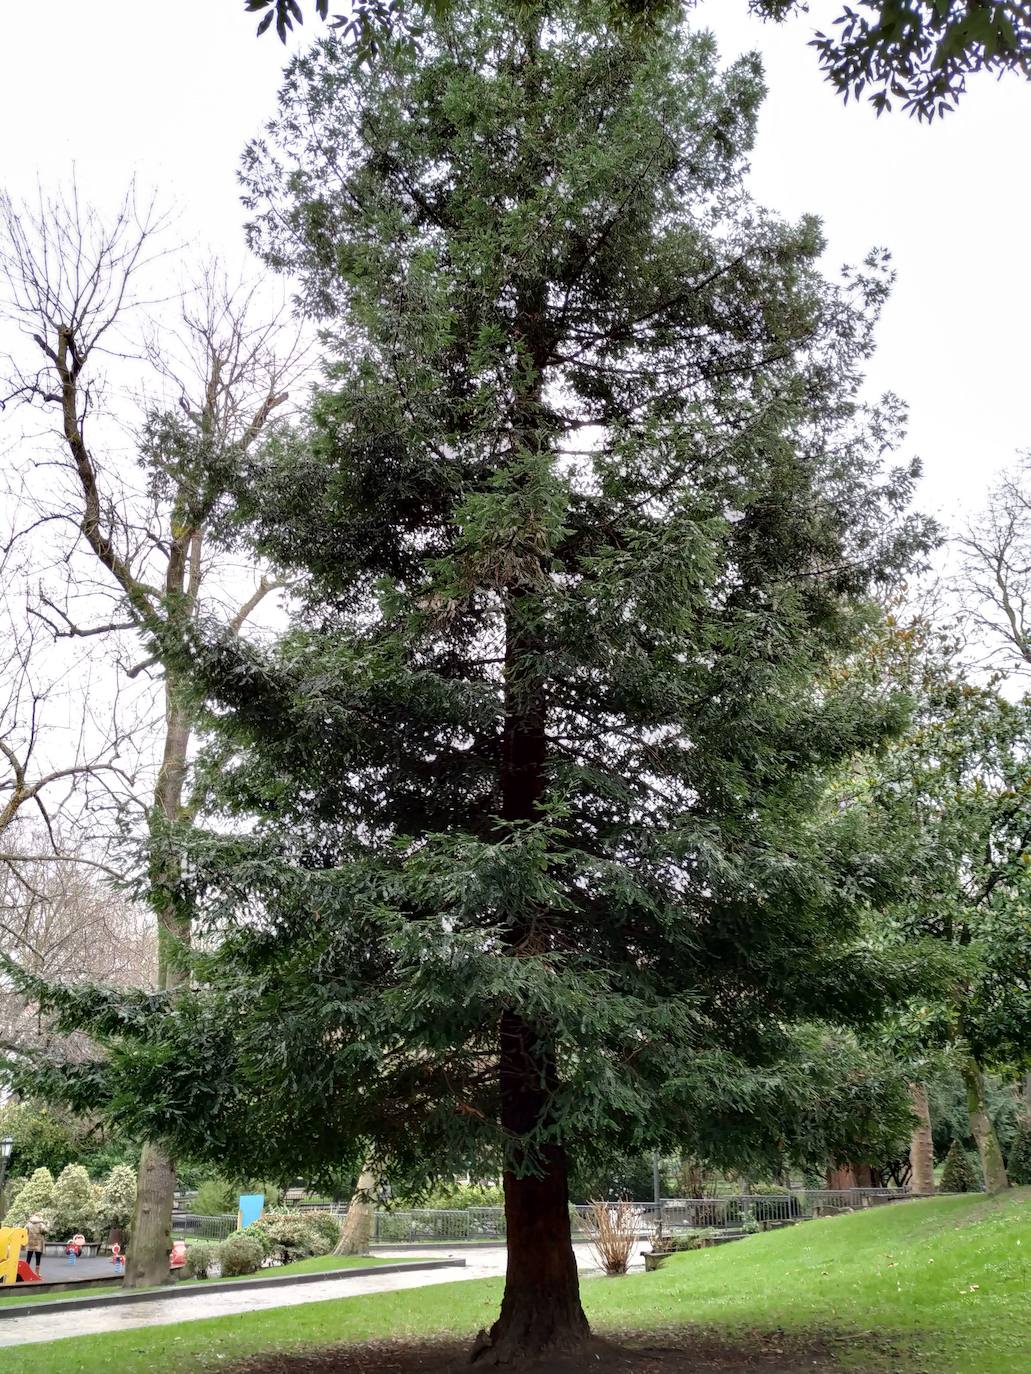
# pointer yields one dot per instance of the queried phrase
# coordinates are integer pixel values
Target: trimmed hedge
(240, 1254)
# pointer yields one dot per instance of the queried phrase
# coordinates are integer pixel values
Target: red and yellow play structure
(12, 1266)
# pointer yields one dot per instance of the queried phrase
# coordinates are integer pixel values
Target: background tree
(958, 788)
(993, 583)
(1018, 1161)
(73, 280)
(62, 920)
(536, 850)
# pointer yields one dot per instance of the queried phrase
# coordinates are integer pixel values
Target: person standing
(37, 1229)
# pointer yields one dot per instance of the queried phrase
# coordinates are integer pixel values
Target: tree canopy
(522, 847)
(919, 54)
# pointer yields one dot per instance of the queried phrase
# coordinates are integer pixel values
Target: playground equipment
(74, 1248)
(12, 1266)
(177, 1258)
(117, 1258)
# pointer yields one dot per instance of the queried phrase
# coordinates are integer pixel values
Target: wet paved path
(38, 1323)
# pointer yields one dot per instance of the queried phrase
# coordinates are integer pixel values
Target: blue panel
(251, 1207)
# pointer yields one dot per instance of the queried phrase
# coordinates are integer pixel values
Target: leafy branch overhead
(916, 52)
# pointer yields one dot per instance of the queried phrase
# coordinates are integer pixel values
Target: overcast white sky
(171, 92)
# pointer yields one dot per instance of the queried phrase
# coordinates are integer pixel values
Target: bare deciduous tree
(64, 921)
(136, 553)
(994, 580)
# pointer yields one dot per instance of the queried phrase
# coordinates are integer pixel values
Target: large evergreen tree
(585, 515)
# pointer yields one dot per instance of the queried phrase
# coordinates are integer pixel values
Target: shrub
(959, 1175)
(1018, 1166)
(36, 1196)
(200, 1256)
(117, 1198)
(258, 1232)
(239, 1254)
(327, 1226)
(454, 1197)
(612, 1229)
(214, 1198)
(74, 1207)
(291, 1237)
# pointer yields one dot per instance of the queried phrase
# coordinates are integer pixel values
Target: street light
(6, 1146)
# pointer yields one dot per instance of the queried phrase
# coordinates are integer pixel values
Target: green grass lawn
(948, 1280)
(24, 1292)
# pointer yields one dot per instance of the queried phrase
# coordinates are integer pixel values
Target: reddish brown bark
(541, 1310)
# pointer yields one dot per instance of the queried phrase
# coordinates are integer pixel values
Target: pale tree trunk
(146, 1261)
(921, 1145)
(988, 1148)
(150, 1240)
(357, 1234)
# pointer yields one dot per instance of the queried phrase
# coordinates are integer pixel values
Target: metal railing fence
(187, 1226)
(742, 1211)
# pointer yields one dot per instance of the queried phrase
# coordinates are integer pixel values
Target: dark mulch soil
(674, 1352)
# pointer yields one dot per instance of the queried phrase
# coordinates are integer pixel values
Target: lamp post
(6, 1146)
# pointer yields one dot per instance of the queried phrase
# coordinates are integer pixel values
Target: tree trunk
(357, 1234)
(840, 1177)
(540, 1312)
(150, 1240)
(921, 1145)
(988, 1148)
(151, 1236)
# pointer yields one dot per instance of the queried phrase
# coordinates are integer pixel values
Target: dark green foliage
(580, 529)
(958, 1175)
(1018, 1162)
(950, 1119)
(618, 1178)
(917, 53)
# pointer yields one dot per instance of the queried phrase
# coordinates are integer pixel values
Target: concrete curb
(189, 1290)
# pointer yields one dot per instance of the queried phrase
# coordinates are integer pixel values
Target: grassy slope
(24, 1292)
(951, 1278)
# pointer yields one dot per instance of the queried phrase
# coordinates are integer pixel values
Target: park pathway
(45, 1321)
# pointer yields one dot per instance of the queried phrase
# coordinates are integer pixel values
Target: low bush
(200, 1256)
(289, 1236)
(240, 1254)
(326, 1225)
(959, 1174)
(258, 1232)
(690, 1240)
(611, 1229)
